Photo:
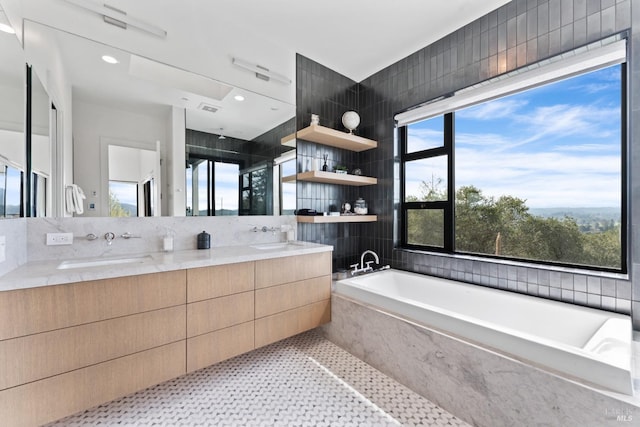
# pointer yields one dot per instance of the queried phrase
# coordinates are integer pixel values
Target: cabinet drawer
(220, 280)
(283, 325)
(57, 397)
(38, 356)
(208, 349)
(277, 271)
(213, 314)
(276, 299)
(34, 310)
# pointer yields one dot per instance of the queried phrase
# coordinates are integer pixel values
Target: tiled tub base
(478, 385)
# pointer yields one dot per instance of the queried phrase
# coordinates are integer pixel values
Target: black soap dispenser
(204, 240)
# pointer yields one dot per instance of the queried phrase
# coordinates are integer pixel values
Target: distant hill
(223, 212)
(589, 220)
(602, 213)
(132, 209)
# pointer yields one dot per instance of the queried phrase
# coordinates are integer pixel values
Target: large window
(538, 175)
(212, 188)
(11, 205)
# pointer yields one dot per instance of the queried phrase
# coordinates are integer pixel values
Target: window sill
(508, 262)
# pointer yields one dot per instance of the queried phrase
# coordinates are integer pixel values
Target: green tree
(425, 226)
(115, 208)
(505, 227)
(602, 248)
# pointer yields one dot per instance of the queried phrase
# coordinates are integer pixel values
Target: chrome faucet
(365, 267)
(264, 229)
(109, 237)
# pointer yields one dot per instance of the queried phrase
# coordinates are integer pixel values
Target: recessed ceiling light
(7, 29)
(109, 59)
(274, 108)
(239, 98)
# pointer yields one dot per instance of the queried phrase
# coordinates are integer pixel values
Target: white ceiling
(355, 38)
(140, 85)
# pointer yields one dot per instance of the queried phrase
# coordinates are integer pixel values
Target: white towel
(74, 197)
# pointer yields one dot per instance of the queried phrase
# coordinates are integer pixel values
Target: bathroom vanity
(72, 345)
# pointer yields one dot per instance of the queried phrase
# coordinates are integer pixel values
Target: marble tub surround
(591, 345)
(478, 385)
(224, 230)
(47, 272)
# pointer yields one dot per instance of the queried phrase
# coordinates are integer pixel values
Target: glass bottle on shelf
(360, 207)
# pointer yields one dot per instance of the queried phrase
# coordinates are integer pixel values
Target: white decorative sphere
(350, 120)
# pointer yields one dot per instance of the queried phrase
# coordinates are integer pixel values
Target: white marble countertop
(45, 273)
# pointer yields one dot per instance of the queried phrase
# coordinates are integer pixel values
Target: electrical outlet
(59, 239)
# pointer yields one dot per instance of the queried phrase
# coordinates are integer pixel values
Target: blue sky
(555, 146)
(226, 181)
(125, 192)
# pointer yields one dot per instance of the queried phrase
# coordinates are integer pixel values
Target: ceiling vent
(208, 107)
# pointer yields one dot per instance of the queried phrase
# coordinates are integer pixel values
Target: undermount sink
(99, 262)
(277, 245)
(267, 246)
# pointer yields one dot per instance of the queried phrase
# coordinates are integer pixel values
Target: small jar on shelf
(360, 207)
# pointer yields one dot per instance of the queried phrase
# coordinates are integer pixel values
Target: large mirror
(148, 139)
(12, 125)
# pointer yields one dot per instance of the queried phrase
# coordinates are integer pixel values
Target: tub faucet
(365, 267)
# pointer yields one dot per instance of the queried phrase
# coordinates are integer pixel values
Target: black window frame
(448, 206)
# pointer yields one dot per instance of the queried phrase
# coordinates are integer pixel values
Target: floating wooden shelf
(289, 140)
(341, 218)
(289, 178)
(337, 178)
(331, 137)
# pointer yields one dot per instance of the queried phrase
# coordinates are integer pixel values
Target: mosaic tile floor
(303, 381)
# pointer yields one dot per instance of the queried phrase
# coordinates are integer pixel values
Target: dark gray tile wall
(324, 92)
(517, 34)
(265, 147)
(208, 145)
(268, 146)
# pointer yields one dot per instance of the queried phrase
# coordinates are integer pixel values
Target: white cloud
(587, 148)
(422, 139)
(543, 179)
(597, 87)
(493, 110)
(487, 140)
(564, 120)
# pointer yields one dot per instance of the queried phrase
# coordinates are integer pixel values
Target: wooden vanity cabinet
(293, 295)
(66, 348)
(220, 313)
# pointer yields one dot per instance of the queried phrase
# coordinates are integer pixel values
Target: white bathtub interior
(584, 343)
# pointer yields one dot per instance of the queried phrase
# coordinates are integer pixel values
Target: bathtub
(585, 344)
